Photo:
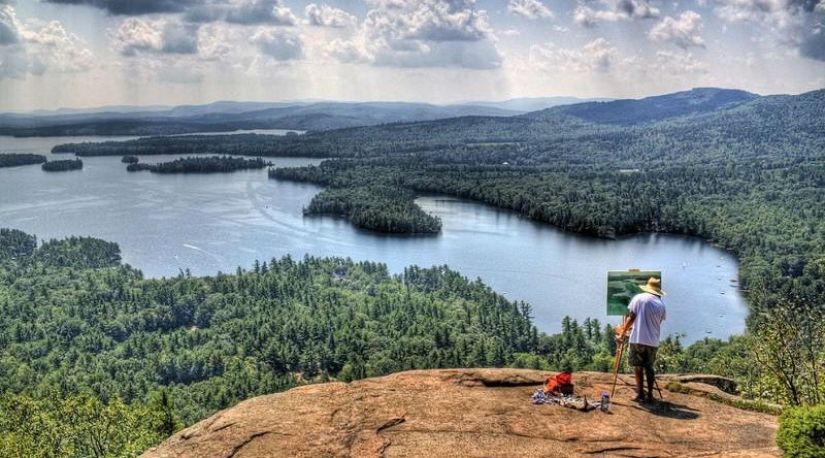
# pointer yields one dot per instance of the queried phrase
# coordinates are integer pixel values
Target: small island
(212, 164)
(380, 207)
(130, 160)
(14, 160)
(384, 209)
(62, 165)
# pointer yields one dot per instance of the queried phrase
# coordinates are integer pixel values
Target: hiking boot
(640, 397)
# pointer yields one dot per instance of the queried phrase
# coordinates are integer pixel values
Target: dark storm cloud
(134, 7)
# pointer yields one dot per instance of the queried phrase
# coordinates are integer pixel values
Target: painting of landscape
(622, 285)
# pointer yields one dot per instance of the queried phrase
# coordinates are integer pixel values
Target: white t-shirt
(650, 312)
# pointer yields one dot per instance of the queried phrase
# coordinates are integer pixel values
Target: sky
(90, 53)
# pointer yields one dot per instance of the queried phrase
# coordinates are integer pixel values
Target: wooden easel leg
(616, 365)
(656, 382)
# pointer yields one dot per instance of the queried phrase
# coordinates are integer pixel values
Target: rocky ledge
(473, 413)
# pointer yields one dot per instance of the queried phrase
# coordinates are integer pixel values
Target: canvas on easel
(622, 285)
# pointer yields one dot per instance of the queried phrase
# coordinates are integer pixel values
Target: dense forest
(62, 165)
(82, 333)
(213, 164)
(14, 160)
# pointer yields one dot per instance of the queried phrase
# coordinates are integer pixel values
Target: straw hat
(653, 286)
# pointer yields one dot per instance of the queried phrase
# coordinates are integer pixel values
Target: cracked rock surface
(471, 413)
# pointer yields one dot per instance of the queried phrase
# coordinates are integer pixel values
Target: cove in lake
(217, 222)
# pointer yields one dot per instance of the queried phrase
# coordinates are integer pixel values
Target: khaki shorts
(642, 355)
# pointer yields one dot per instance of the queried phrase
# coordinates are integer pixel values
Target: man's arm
(627, 323)
(630, 320)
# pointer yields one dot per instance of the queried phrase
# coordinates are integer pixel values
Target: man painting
(647, 311)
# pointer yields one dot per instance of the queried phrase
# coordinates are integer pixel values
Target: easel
(617, 363)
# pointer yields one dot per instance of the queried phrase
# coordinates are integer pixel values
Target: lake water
(216, 222)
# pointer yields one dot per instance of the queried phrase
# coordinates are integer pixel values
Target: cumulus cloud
(327, 16)
(599, 55)
(215, 41)
(589, 12)
(530, 9)
(432, 20)
(47, 49)
(57, 50)
(348, 51)
(422, 33)
(799, 24)
(683, 32)
(278, 44)
(134, 7)
(261, 12)
(137, 36)
(9, 27)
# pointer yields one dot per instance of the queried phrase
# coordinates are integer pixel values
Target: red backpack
(561, 383)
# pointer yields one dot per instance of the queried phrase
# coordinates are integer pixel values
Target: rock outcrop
(471, 413)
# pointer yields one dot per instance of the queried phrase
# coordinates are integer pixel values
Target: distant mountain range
(230, 116)
(324, 115)
(657, 108)
(521, 104)
(528, 104)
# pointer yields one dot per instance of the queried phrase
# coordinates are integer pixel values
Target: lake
(217, 222)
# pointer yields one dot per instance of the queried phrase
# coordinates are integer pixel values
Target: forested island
(130, 159)
(62, 165)
(381, 208)
(214, 164)
(14, 159)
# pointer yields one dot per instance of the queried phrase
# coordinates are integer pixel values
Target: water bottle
(605, 402)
